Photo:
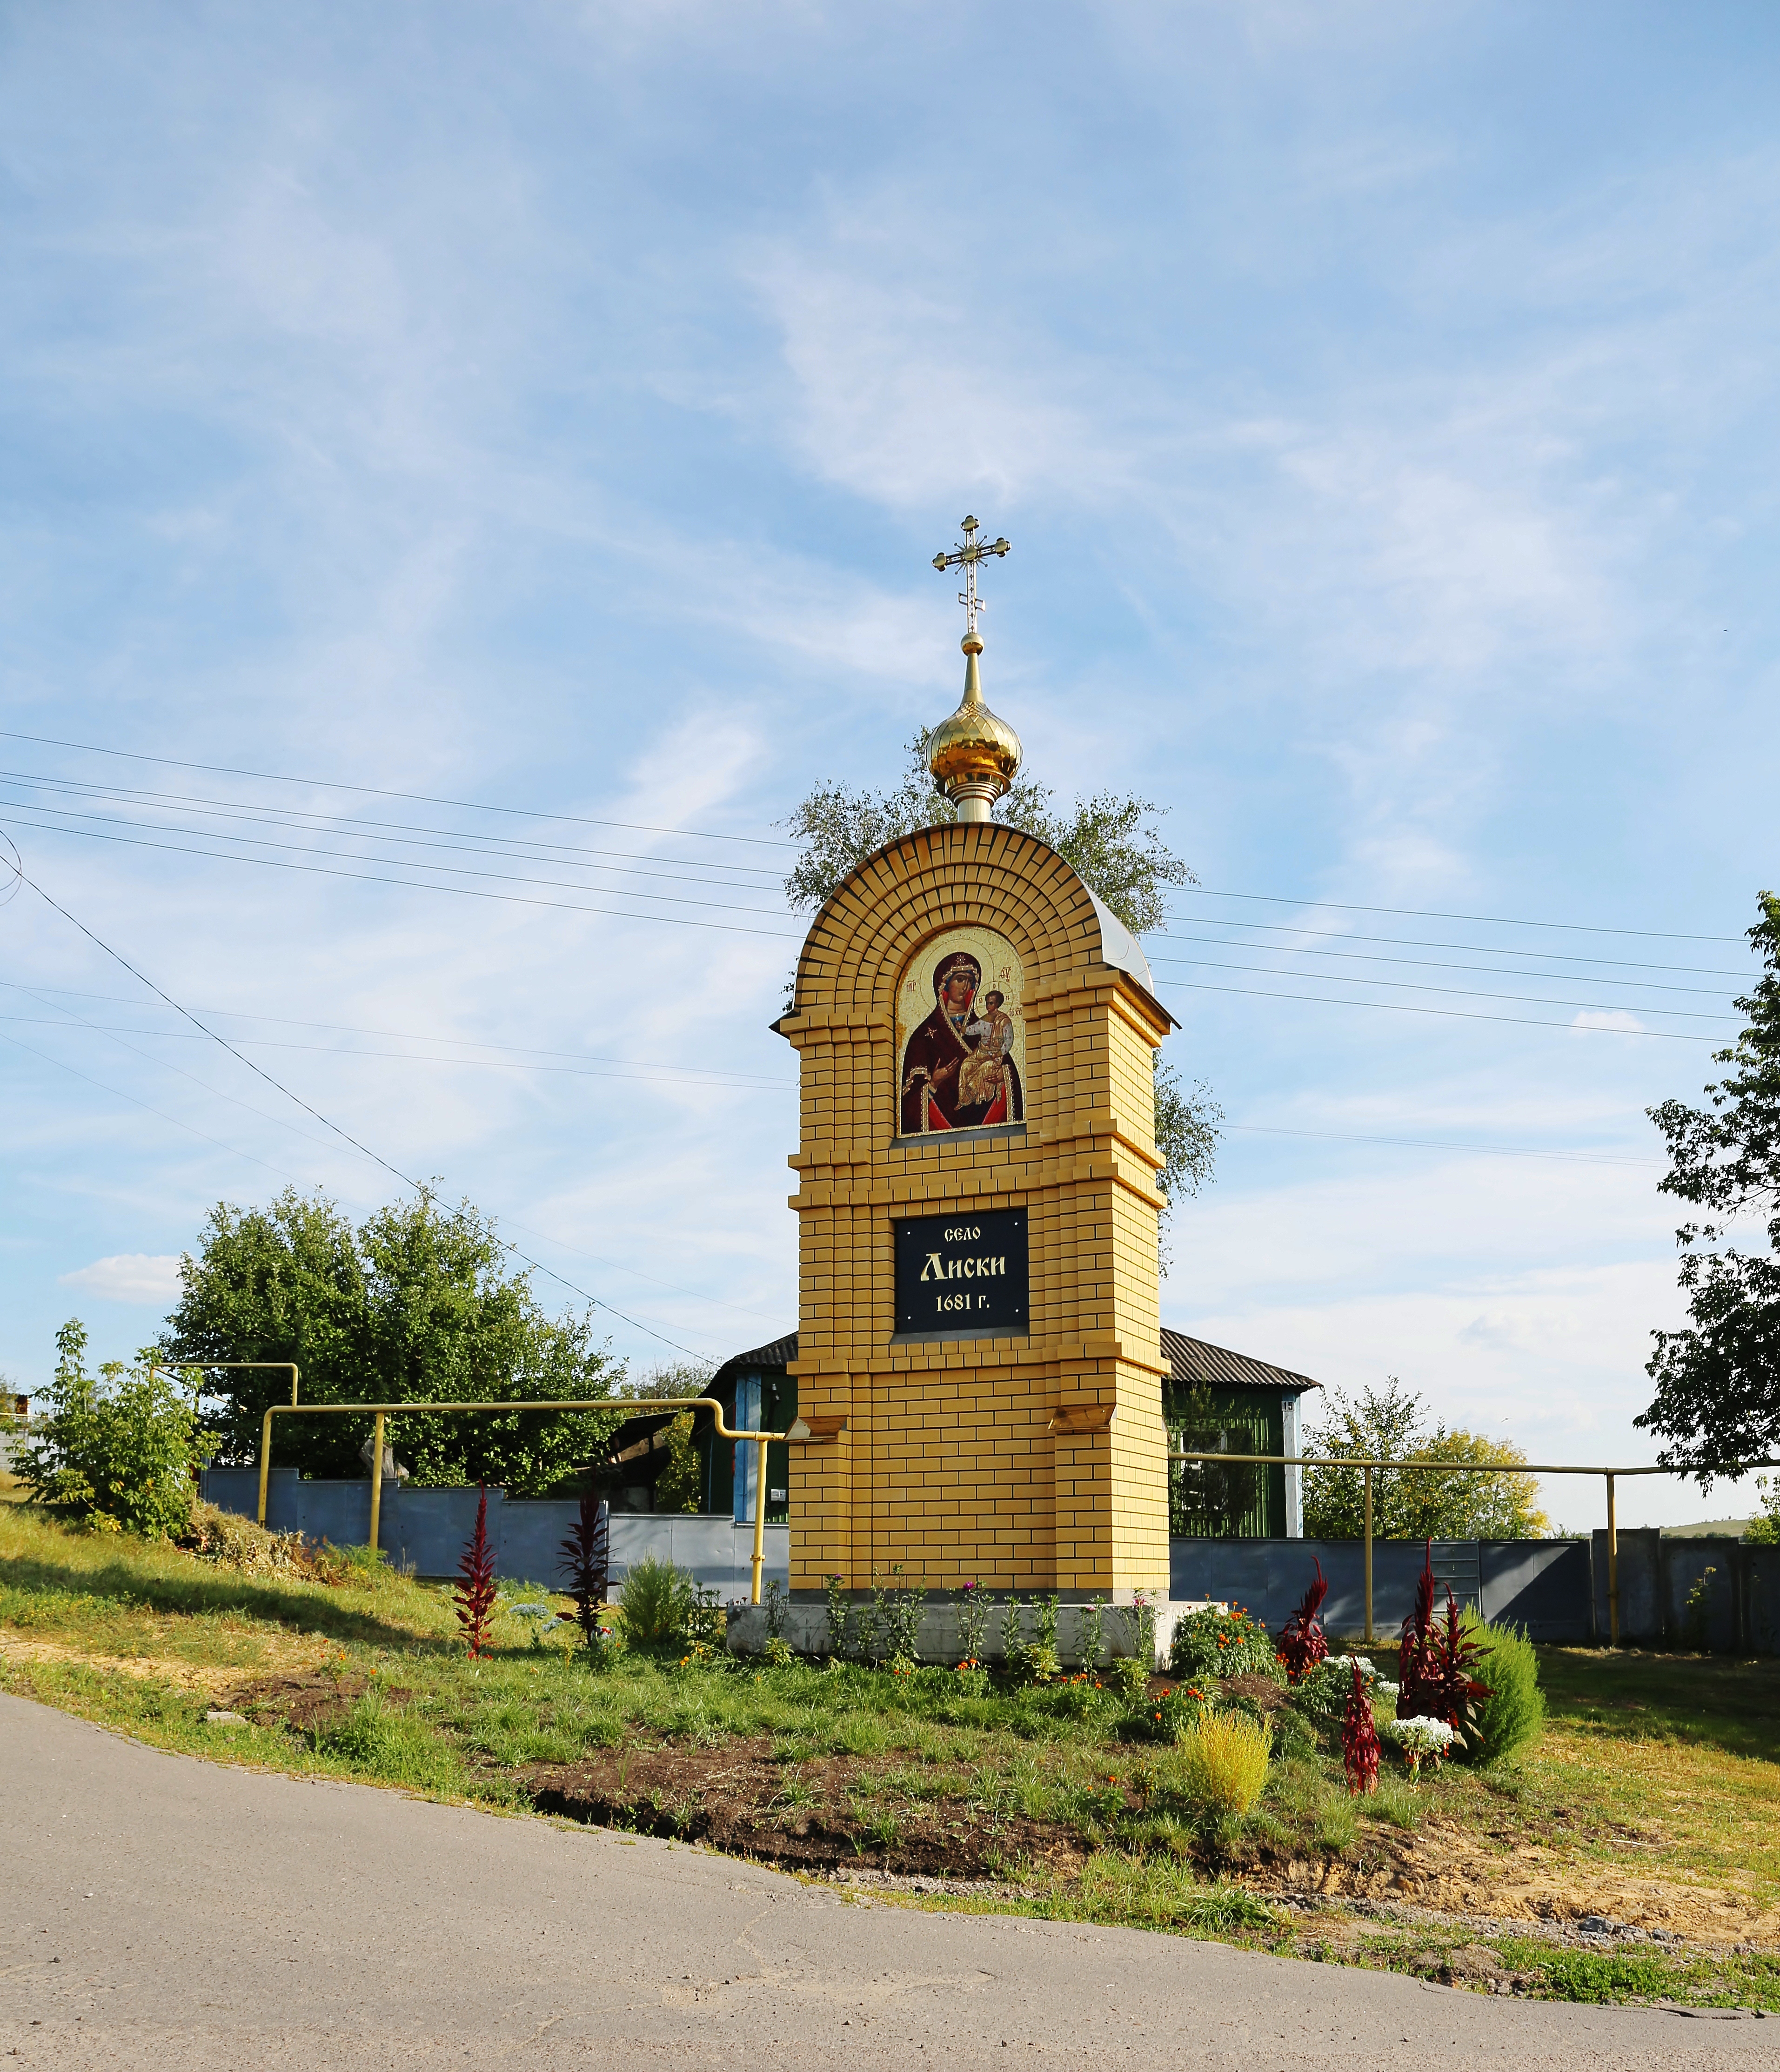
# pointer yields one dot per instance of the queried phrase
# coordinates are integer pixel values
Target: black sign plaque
(962, 1276)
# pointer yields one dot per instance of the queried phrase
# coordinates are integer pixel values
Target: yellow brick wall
(946, 1465)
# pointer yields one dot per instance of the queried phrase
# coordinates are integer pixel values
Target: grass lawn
(1650, 1799)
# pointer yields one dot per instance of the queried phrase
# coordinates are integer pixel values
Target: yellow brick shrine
(978, 1323)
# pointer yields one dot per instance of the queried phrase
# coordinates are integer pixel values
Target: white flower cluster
(1381, 1689)
(1345, 1664)
(1420, 1735)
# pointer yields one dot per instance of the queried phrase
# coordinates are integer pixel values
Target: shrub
(1224, 1758)
(1513, 1715)
(656, 1597)
(350, 1567)
(1228, 1643)
(1324, 1688)
(1130, 1674)
(973, 1625)
(117, 1449)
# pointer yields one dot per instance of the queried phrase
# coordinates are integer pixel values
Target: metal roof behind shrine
(1196, 1363)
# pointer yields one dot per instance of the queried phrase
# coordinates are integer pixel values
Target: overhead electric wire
(424, 1192)
(1438, 913)
(346, 827)
(380, 792)
(1457, 991)
(1422, 942)
(1478, 950)
(61, 825)
(462, 891)
(49, 993)
(1432, 1143)
(1447, 1013)
(700, 834)
(643, 1078)
(62, 1065)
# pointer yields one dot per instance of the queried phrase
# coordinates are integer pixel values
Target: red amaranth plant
(587, 1559)
(1452, 1691)
(1415, 1669)
(1303, 1644)
(475, 1590)
(1359, 1740)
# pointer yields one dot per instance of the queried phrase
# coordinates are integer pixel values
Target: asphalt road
(162, 1911)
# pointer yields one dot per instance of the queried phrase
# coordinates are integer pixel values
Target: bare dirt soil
(806, 1816)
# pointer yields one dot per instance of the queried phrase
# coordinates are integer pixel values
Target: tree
(1718, 1382)
(118, 1449)
(1387, 1425)
(1106, 840)
(416, 1304)
(670, 1378)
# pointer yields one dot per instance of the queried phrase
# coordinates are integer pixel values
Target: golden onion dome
(974, 754)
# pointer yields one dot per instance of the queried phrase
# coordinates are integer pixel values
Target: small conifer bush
(1513, 1715)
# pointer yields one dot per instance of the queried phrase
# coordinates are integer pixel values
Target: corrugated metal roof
(780, 1353)
(1197, 1364)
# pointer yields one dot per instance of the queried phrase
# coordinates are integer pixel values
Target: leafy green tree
(1108, 840)
(670, 1378)
(679, 1486)
(1718, 1382)
(118, 1447)
(1388, 1424)
(416, 1304)
(1765, 1526)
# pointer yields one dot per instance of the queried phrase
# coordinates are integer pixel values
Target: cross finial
(966, 555)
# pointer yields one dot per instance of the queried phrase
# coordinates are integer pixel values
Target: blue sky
(556, 407)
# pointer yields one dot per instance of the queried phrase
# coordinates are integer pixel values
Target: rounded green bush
(1513, 1715)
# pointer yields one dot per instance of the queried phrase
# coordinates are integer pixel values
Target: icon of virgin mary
(956, 1071)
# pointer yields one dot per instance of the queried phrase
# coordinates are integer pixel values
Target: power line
(1457, 991)
(345, 827)
(46, 994)
(1421, 943)
(462, 891)
(700, 834)
(424, 1192)
(379, 791)
(1339, 1137)
(1435, 914)
(1430, 1144)
(1446, 1014)
(61, 824)
(643, 1077)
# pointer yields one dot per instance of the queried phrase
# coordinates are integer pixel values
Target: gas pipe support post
(376, 1478)
(759, 1517)
(1613, 1565)
(1368, 1554)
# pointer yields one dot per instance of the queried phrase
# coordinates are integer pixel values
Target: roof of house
(781, 1352)
(1194, 1361)
(1199, 1364)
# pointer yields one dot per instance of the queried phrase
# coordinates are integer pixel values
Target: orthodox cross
(966, 556)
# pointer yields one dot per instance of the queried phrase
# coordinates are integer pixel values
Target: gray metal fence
(425, 1530)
